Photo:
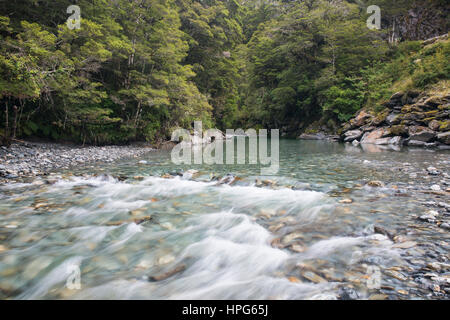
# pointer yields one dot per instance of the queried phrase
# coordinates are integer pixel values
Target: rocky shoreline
(409, 119)
(37, 159)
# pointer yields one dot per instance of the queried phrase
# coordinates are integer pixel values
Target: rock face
(408, 119)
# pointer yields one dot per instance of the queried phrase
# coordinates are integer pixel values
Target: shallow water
(122, 224)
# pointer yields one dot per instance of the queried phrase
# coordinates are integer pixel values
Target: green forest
(137, 69)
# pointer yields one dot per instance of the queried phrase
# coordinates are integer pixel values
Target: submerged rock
(347, 293)
(311, 276)
(168, 274)
(375, 184)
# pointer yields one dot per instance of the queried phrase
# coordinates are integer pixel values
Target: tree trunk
(6, 140)
(14, 128)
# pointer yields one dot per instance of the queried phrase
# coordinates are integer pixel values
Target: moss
(398, 130)
(380, 117)
(431, 113)
(429, 119)
(444, 125)
(411, 108)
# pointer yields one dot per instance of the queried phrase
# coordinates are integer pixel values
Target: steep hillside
(417, 112)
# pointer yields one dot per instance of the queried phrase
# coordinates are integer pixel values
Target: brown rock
(361, 118)
(168, 274)
(371, 137)
(444, 137)
(434, 125)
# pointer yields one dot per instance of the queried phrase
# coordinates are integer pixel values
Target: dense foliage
(136, 69)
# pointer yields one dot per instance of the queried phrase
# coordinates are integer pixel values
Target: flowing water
(134, 232)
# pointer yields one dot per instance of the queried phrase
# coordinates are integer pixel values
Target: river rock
(444, 137)
(347, 293)
(361, 118)
(371, 137)
(419, 133)
(311, 276)
(383, 141)
(352, 135)
(168, 274)
(445, 226)
(405, 245)
(375, 184)
(433, 171)
(383, 231)
(435, 187)
(392, 119)
(396, 141)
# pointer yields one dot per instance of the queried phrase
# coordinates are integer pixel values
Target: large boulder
(383, 141)
(361, 118)
(371, 137)
(444, 137)
(399, 130)
(395, 101)
(434, 125)
(392, 119)
(351, 135)
(419, 133)
(397, 141)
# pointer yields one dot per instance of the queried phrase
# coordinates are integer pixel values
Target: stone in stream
(311, 276)
(375, 184)
(445, 226)
(347, 293)
(346, 201)
(395, 274)
(405, 245)
(168, 274)
(297, 248)
(142, 220)
(166, 259)
(383, 231)
(433, 171)
(435, 187)
(378, 296)
(294, 279)
(290, 237)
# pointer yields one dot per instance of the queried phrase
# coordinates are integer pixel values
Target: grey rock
(396, 141)
(424, 135)
(444, 137)
(445, 226)
(433, 171)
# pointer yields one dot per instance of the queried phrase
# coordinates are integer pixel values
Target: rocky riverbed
(36, 159)
(336, 222)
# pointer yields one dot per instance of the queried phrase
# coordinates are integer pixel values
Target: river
(131, 230)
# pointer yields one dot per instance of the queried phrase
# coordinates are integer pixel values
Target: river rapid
(336, 222)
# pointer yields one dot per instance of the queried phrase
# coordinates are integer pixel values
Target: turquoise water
(126, 226)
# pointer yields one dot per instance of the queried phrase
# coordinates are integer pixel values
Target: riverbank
(37, 158)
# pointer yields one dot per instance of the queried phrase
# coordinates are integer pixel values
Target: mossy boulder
(434, 125)
(399, 130)
(380, 118)
(444, 125)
